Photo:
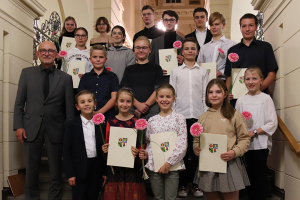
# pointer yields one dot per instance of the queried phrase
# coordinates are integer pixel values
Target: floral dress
(125, 183)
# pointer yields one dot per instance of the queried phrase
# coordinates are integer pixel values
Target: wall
(16, 41)
(222, 6)
(284, 34)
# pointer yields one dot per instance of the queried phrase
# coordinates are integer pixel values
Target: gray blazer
(31, 107)
(159, 43)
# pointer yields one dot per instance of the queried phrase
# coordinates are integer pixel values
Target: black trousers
(88, 188)
(190, 159)
(256, 161)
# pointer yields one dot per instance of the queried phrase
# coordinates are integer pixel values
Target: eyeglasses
(101, 24)
(146, 14)
(169, 20)
(141, 48)
(80, 36)
(44, 51)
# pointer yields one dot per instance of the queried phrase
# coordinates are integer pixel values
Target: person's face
(200, 19)
(253, 82)
(216, 96)
(189, 51)
(141, 49)
(248, 28)
(124, 102)
(148, 17)
(47, 53)
(165, 98)
(70, 26)
(169, 22)
(86, 104)
(117, 36)
(217, 27)
(81, 38)
(98, 59)
(102, 27)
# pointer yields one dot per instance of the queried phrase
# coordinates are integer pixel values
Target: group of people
(137, 87)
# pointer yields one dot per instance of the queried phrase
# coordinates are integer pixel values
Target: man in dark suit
(43, 104)
(201, 33)
(170, 19)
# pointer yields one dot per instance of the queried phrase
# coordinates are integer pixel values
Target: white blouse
(264, 116)
(173, 122)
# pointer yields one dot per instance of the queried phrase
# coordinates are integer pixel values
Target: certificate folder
(168, 59)
(163, 145)
(212, 146)
(119, 150)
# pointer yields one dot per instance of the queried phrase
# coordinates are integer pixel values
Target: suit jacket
(74, 152)
(159, 43)
(207, 38)
(31, 107)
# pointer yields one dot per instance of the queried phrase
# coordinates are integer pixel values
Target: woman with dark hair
(118, 56)
(102, 26)
(67, 31)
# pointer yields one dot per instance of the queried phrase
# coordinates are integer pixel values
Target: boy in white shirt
(189, 81)
(210, 51)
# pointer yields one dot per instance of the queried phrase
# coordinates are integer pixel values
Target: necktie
(46, 83)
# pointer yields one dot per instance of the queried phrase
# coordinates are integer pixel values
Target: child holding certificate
(261, 127)
(189, 81)
(82, 157)
(143, 77)
(125, 183)
(164, 183)
(222, 118)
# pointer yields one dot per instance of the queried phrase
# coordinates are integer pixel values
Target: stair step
(67, 195)
(45, 187)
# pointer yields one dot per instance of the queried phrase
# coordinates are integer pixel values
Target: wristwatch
(255, 132)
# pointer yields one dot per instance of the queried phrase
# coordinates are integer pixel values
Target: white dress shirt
(172, 122)
(201, 35)
(89, 137)
(264, 116)
(209, 53)
(190, 85)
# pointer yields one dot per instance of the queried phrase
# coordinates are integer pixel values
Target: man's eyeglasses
(169, 20)
(44, 51)
(141, 48)
(146, 14)
(80, 36)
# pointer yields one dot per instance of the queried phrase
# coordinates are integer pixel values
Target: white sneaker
(183, 192)
(197, 192)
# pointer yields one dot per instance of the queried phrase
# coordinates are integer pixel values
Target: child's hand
(197, 151)
(80, 75)
(165, 72)
(137, 113)
(105, 148)
(134, 151)
(72, 181)
(230, 96)
(219, 73)
(142, 107)
(143, 154)
(164, 169)
(180, 59)
(104, 180)
(251, 133)
(229, 155)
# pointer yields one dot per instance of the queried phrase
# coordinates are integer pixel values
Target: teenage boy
(82, 157)
(170, 19)
(201, 33)
(253, 52)
(189, 81)
(80, 52)
(209, 52)
(150, 31)
(102, 83)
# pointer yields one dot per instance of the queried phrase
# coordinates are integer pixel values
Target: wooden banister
(289, 137)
